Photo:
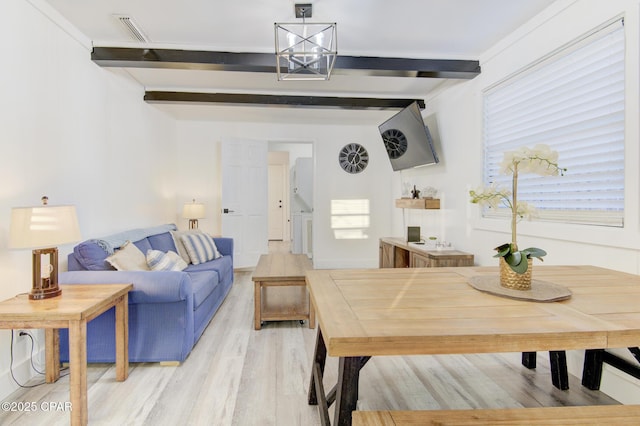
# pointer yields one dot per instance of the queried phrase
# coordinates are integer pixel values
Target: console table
(397, 253)
(77, 305)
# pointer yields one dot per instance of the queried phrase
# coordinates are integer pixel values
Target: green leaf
(513, 259)
(503, 250)
(534, 252)
(522, 267)
(518, 262)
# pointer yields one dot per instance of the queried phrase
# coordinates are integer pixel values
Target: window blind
(572, 101)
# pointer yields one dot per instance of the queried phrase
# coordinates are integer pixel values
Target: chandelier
(305, 51)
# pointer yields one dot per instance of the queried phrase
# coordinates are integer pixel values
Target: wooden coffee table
(291, 300)
(73, 309)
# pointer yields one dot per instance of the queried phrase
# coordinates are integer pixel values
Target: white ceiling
(426, 29)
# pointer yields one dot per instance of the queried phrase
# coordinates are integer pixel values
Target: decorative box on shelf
(418, 203)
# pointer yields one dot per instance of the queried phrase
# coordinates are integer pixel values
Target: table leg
(558, 363)
(592, 368)
(559, 374)
(319, 360)
(52, 354)
(347, 397)
(529, 359)
(122, 339)
(257, 309)
(78, 372)
(312, 314)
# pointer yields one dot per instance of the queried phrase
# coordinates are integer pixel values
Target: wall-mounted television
(408, 140)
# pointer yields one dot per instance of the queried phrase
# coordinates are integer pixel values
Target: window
(573, 101)
(350, 219)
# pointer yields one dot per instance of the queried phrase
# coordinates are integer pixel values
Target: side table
(77, 305)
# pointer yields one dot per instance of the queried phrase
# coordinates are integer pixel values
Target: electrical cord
(22, 333)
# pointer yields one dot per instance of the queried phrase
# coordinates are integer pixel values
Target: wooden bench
(587, 415)
(291, 300)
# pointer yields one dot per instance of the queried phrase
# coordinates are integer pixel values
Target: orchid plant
(541, 160)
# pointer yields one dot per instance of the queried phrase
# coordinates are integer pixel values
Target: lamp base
(39, 294)
(45, 284)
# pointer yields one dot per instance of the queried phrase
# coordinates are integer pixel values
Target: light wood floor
(238, 376)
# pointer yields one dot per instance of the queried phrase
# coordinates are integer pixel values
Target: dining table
(364, 313)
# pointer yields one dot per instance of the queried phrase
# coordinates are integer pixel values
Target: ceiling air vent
(132, 28)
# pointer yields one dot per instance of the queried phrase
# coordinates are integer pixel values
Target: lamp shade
(43, 226)
(193, 210)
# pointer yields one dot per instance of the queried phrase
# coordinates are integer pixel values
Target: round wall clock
(353, 158)
(395, 142)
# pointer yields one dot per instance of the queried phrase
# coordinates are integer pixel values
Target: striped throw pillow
(169, 261)
(201, 247)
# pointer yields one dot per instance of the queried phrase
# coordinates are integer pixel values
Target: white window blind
(572, 101)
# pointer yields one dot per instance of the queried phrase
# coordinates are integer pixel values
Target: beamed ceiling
(206, 59)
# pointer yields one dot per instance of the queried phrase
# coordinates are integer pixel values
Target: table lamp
(193, 211)
(40, 228)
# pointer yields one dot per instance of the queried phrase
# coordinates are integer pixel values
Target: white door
(277, 202)
(244, 199)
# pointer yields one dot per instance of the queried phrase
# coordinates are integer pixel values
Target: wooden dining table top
(412, 311)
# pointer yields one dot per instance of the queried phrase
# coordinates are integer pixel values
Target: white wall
(78, 134)
(459, 112)
(331, 182)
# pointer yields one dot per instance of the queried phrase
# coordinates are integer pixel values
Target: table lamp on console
(193, 211)
(41, 228)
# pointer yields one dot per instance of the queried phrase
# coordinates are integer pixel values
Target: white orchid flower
(540, 160)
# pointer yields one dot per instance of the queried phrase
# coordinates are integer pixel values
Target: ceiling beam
(266, 62)
(281, 100)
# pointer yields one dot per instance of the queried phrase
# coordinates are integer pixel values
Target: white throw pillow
(201, 247)
(169, 261)
(128, 258)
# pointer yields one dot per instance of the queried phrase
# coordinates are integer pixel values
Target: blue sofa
(168, 310)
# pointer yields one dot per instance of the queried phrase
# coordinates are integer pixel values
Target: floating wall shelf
(418, 203)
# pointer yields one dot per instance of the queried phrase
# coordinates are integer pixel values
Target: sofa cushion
(161, 261)
(202, 283)
(222, 265)
(201, 247)
(128, 258)
(91, 256)
(144, 245)
(163, 242)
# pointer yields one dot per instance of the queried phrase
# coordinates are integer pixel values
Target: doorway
(278, 195)
(244, 198)
(296, 213)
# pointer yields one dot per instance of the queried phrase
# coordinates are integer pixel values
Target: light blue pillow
(169, 261)
(201, 247)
